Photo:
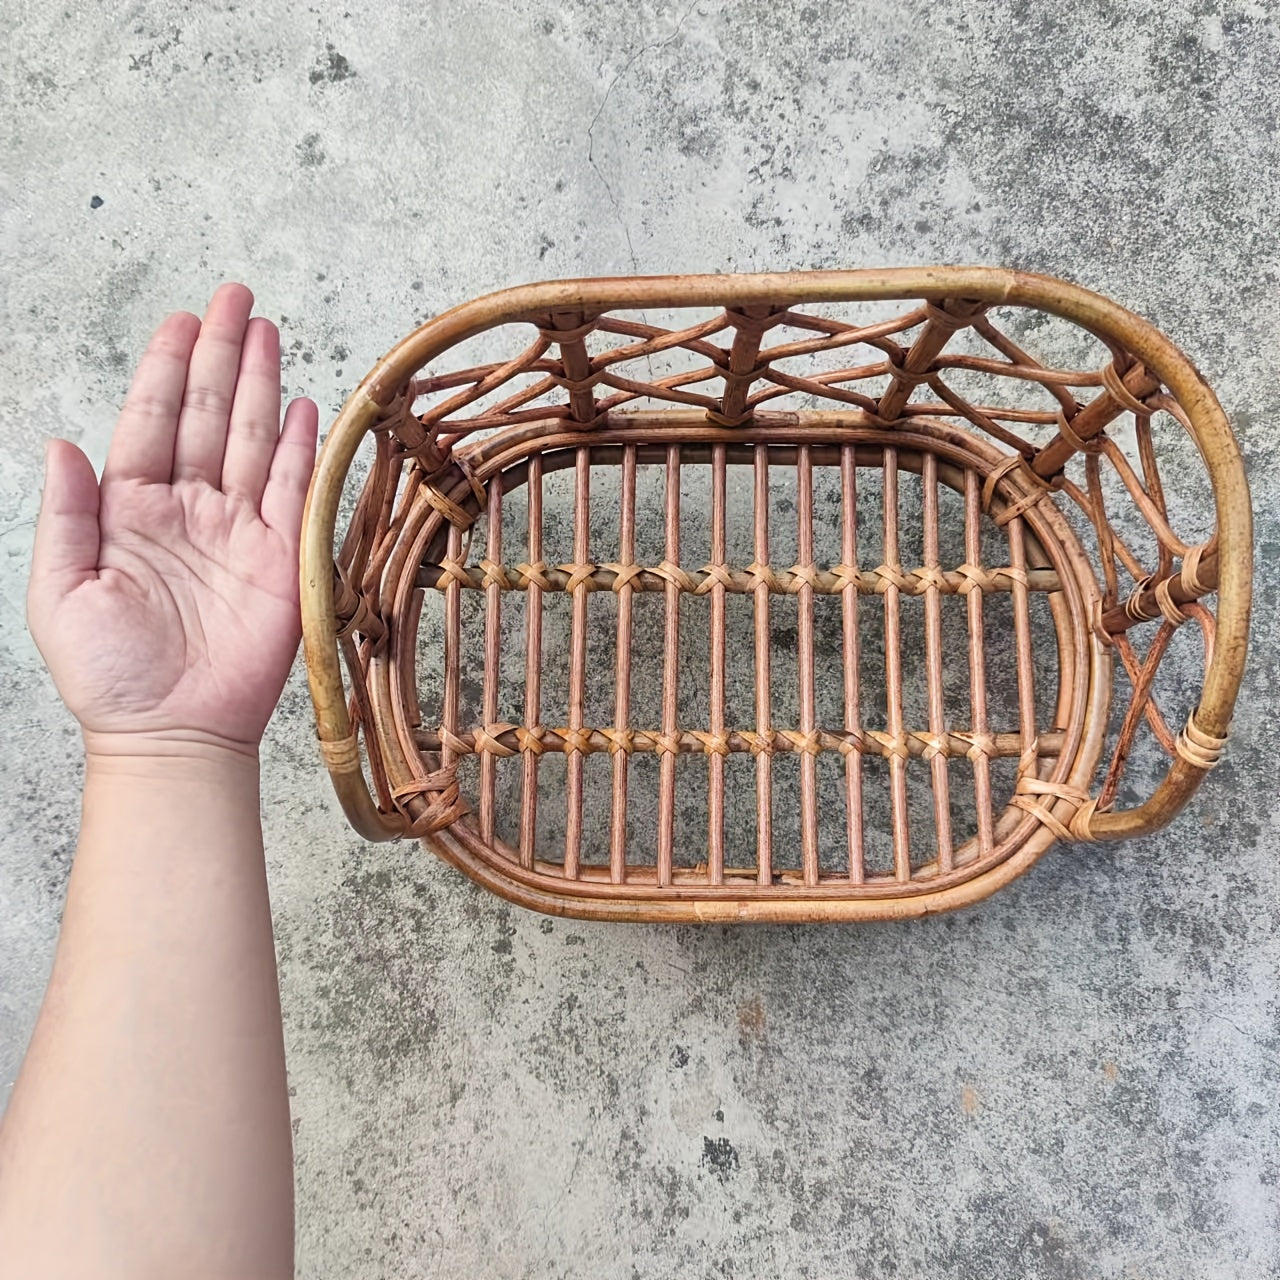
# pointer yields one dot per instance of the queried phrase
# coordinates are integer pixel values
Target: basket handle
(338, 736)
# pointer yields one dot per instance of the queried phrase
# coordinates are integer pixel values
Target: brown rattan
(1058, 467)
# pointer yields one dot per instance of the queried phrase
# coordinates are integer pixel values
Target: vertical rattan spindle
(893, 676)
(492, 659)
(622, 691)
(532, 669)
(452, 651)
(764, 729)
(977, 666)
(577, 659)
(715, 762)
(933, 665)
(804, 634)
(1022, 637)
(852, 659)
(670, 675)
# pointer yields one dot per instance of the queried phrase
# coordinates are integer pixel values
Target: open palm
(165, 597)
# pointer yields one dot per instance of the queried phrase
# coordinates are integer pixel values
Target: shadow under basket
(795, 597)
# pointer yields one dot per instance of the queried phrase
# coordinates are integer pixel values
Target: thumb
(66, 543)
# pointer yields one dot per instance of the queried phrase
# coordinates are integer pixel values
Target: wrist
(173, 752)
(148, 797)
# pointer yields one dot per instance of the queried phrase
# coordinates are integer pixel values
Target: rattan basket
(923, 623)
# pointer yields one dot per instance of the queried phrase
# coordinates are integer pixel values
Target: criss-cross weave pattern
(1059, 467)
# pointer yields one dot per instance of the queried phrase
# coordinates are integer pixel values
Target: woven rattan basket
(813, 596)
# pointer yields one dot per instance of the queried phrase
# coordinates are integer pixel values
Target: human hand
(164, 598)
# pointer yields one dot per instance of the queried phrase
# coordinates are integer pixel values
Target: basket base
(923, 792)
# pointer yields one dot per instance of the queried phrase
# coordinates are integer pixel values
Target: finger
(211, 386)
(291, 468)
(142, 446)
(255, 414)
(66, 544)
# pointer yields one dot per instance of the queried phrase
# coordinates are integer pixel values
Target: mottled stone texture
(1078, 1078)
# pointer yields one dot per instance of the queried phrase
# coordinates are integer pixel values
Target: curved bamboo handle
(338, 737)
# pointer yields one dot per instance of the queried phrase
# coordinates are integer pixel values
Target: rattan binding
(755, 376)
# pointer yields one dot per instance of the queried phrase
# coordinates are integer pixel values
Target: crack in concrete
(591, 128)
(1262, 1050)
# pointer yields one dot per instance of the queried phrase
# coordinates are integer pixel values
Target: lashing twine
(802, 575)
(887, 576)
(574, 334)
(847, 575)
(1077, 442)
(496, 739)
(478, 489)
(755, 326)
(717, 574)
(945, 320)
(455, 570)
(1016, 506)
(1113, 381)
(623, 574)
(577, 741)
(1169, 608)
(486, 739)
(452, 511)
(534, 574)
(905, 376)
(494, 575)
(1188, 578)
(445, 505)
(713, 744)
(341, 755)
(809, 744)
(571, 336)
(1198, 748)
(417, 441)
(579, 575)
(1030, 793)
(353, 612)
(1096, 624)
(976, 578)
(933, 744)
(929, 576)
(444, 807)
(451, 741)
(982, 746)
(674, 574)
(761, 575)
(719, 419)
(1190, 573)
(578, 384)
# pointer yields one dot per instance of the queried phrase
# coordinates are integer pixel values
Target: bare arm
(148, 1132)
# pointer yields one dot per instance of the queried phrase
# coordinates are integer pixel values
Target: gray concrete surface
(1078, 1078)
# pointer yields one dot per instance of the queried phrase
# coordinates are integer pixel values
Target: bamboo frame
(449, 446)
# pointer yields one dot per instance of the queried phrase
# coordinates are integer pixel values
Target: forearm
(148, 1133)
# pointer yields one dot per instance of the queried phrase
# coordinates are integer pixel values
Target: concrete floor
(1078, 1078)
